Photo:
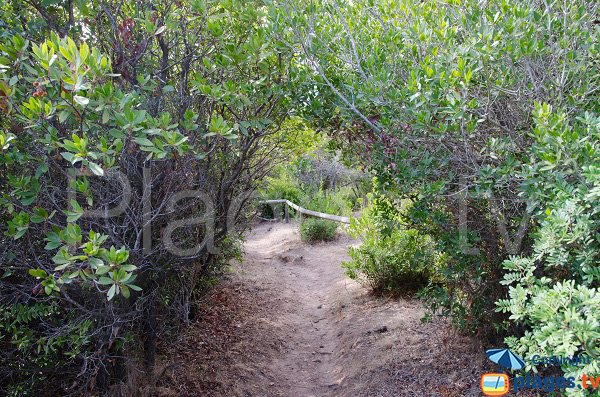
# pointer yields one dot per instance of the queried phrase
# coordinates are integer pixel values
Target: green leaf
(39, 273)
(20, 233)
(143, 141)
(84, 51)
(95, 168)
(83, 101)
(112, 291)
(70, 157)
(63, 115)
(95, 262)
(52, 245)
(42, 169)
(39, 215)
(102, 270)
(105, 281)
(73, 216)
(65, 52)
(60, 258)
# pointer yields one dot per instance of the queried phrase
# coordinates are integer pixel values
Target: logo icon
(505, 358)
(494, 384)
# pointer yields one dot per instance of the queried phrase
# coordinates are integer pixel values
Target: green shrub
(84, 298)
(332, 202)
(554, 291)
(22, 333)
(454, 133)
(281, 186)
(350, 198)
(390, 258)
(391, 263)
(315, 229)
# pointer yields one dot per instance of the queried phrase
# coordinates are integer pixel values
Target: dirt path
(287, 322)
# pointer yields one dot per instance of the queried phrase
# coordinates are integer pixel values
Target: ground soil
(288, 322)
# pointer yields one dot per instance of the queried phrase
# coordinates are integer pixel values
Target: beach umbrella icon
(505, 358)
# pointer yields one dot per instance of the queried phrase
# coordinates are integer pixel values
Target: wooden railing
(335, 218)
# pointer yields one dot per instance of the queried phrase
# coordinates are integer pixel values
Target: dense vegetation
(391, 258)
(483, 119)
(313, 177)
(133, 136)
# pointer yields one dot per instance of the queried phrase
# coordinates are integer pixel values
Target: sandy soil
(287, 322)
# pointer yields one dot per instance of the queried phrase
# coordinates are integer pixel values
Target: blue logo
(505, 358)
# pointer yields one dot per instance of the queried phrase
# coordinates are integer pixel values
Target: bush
(455, 133)
(85, 297)
(390, 259)
(315, 229)
(554, 291)
(332, 202)
(281, 186)
(394, 263)
(23, 342)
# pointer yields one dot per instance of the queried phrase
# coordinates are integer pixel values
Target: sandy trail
(306, 283)
(287, 322)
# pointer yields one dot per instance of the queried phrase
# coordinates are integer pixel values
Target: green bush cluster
(123, 171)
(315, 229)
(485, 117)
(330, 202)
(554, 291)
(480, 120)
(390, 258)
(281, 185)
(22, 337)
(315, 180)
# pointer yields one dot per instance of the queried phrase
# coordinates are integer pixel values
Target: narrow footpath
(288, 322)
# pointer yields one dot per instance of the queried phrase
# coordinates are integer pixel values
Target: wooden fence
(335, 218)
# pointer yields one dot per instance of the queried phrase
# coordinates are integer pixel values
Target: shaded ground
(287, 322)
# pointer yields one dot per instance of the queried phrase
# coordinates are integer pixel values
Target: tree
(440, 98)
(131, 141)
